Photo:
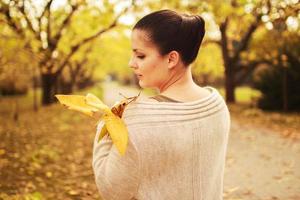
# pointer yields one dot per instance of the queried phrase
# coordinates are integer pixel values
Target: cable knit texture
(175, 151)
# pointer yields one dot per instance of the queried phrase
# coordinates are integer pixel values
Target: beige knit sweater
(176, 151)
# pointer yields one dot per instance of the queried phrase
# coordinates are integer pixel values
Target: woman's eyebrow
(135, 50)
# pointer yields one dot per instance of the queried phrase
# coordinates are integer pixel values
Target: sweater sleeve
(116, 176)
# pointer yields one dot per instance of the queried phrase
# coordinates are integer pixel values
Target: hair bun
(169, 31)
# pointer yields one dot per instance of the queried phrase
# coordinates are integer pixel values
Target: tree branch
(21, 8)
(243, 44)
(75, 48)
(224, 40)
(55, 40)
(46, 9)
(6, 12)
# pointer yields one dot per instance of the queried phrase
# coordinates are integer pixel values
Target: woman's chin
(142, 85)
(145, 86)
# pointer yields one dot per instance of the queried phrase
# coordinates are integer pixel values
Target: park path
(260, 164)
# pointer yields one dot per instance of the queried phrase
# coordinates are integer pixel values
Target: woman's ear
(173, 59)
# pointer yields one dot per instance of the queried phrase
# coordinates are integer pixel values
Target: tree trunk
(229, 73)
(285, 89)
(48, 84)
(229, 84)
(35, 101)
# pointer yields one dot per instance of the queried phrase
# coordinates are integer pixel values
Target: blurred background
(250, 53)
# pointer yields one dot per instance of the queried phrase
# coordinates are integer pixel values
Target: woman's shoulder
(141, 105)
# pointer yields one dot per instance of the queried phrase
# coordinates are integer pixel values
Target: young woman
(177, 139)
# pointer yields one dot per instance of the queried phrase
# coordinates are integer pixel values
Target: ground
(47, 155)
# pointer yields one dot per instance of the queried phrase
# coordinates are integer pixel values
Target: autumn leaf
(92, 106)
(77, 103)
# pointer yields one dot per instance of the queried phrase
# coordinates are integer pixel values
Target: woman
(177, 139)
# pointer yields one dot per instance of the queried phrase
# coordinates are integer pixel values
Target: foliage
(57, 33)
(115, 52)
(108, 55)
(208, 67)
(280, 82)
(16, 66)
(245, 95)
(271, 84)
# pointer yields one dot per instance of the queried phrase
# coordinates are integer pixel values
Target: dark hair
(170, 31)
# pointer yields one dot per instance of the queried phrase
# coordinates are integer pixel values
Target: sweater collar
(148, 112)
(212, 90)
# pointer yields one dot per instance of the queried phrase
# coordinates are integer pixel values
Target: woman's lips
(138, 75)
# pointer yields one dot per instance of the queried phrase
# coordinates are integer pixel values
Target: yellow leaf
(76, 102)
(94, 101)
(73, 192)
(49, 174)
(92, 105)
(117, 131)
(2, 152)
(103, 132)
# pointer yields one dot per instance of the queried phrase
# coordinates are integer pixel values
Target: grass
(243, 94)
(11, 104)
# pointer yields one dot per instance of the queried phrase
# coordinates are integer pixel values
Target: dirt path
(260, 164)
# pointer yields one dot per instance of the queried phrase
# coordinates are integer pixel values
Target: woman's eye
(141, 57)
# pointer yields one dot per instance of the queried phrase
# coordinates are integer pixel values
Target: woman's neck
(180, 85)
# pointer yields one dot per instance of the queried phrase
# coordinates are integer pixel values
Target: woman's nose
(132, 64)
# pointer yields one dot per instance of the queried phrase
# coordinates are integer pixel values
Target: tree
(16, 67)
(279, 81)
(235, 40)
(45, 29)
(78, 74)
